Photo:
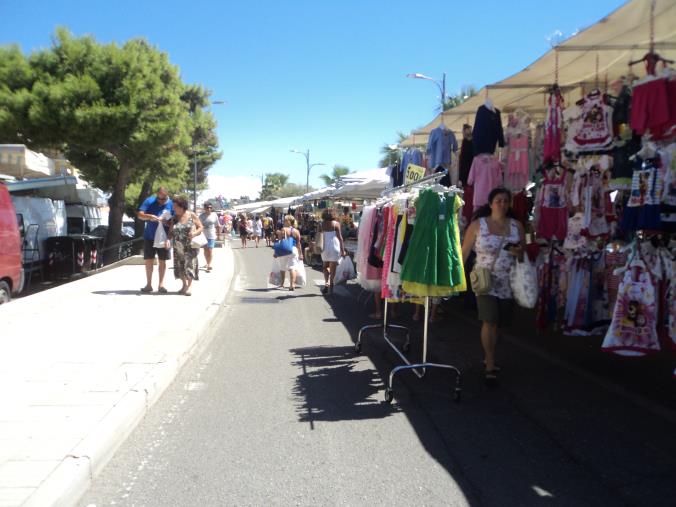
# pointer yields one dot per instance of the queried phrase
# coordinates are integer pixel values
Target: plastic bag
(160, 240)
(345, 270)
(301, 276)
(523, 279)
(275, 276)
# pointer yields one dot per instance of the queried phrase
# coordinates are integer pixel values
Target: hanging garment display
(590, 195)
(518, 143)
(485, 175)
(433, 265)
(466, 157)
(632, 330)
(440, 145)
(590, 127)
(643, 207)
(368, 276)
(553, 206)
(487, 133)
(551, 289)
(653, 107)
(587, 309)
(552, 127)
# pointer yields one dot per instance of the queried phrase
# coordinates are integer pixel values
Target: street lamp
(306, 154)
(440, 84)
(194, 159)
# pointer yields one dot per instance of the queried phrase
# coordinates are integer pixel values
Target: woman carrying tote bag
(498, 241)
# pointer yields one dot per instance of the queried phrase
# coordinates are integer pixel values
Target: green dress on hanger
(433, 264)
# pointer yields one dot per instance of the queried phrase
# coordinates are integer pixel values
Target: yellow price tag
(413, 173)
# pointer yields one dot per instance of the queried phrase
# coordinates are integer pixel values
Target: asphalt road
(278, 410)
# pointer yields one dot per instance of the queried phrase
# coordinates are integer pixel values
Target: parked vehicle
(40, 218)
(82, 218)
(11, 268)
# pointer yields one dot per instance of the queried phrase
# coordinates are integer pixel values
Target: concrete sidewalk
(82, 363)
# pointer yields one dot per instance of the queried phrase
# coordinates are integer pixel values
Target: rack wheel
(389, 395)
(357, 348)
(457, 395)
(406, 348)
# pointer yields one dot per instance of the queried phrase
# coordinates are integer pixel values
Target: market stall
(585, 140)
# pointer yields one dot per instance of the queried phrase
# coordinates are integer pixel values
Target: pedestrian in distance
(150, 212)
(249, 227)
(257, 229)
(332, 248)
(498, 240)
(294, 260)
(210, 222)
(242, 230)
(268, 229)
(184, 227)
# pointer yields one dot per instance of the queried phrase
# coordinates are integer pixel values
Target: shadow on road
(331, 389)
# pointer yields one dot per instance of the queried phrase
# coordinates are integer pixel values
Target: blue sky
(324, 75)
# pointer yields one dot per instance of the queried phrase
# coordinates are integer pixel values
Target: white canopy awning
(364, 185)
(284, 202)
(609, 45)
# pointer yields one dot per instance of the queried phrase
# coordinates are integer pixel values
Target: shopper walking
(332, 248)
(257, 229)
(497, 240)
(210, 222)
(294, 260)
(185, 226)
(268, 229)
(242, 230)
(150, 211)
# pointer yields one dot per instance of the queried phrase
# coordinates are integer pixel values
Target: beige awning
(609, 45)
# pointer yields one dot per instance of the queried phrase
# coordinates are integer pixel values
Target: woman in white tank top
(332, 247)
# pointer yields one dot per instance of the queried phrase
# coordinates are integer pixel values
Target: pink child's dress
(553, 216)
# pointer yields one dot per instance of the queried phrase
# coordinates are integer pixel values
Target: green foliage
(272, 184)
(466, 92)
(292, 190)
(121, 114)
(390, 156)
(338, 172)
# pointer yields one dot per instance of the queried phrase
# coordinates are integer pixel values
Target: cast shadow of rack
(331, 388)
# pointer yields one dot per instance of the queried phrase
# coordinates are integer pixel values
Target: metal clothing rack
(419, 369)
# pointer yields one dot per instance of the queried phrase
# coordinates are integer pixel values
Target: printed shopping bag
(523, 279)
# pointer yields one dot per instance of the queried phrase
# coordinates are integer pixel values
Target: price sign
(413, 173)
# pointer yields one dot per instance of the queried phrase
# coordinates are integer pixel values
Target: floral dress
(487, 246)
(185, 256)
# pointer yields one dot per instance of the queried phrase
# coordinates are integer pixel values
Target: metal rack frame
(419, 369)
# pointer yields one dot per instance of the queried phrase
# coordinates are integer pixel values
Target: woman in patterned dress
(497, 240)
(185, 226)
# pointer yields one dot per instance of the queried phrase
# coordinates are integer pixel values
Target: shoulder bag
(480, 278)
(283, 246)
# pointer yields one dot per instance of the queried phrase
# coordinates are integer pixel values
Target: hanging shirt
(439, 147)
(411, 156)
(466, 157)
(485, 175)
(487, 131)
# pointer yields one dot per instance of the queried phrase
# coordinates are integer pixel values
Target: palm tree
(338, 172)
(390, 156)
(466, 92)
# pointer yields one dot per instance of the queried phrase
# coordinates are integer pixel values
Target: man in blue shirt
(150, 212)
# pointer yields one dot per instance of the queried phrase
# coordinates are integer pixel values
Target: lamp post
(194, 159)
(309, 166)
(440, 84)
